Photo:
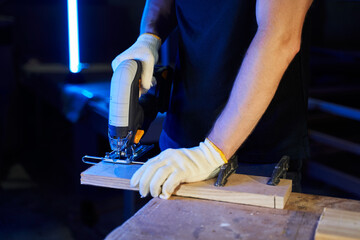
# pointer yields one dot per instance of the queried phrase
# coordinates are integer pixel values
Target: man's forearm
(254, 87)
(158, 18)
(270, 53)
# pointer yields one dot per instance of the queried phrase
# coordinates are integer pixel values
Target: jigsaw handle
(125, 113)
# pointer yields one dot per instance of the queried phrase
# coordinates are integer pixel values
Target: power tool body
(126, 113)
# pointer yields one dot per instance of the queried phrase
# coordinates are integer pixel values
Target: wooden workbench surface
(187, 218)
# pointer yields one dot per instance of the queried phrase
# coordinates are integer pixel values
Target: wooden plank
(316, 203)
(244, 189)
(189, 218)
(338, 224)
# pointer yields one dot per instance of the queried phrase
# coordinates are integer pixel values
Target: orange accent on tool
(138, 136)
(164, 74)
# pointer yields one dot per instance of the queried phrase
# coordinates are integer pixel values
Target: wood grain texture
(316, 204)
(244, 189)
(189, 218)
(338, 224)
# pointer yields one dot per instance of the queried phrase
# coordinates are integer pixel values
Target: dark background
(40, 151)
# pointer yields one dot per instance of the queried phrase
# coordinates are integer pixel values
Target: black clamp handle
(226, 170)
(279, 171)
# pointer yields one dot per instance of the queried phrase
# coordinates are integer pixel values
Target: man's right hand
(145, 49)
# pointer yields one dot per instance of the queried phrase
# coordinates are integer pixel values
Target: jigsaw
(126, 113)
(129, 116)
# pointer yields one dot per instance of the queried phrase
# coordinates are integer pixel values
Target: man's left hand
(163, 173)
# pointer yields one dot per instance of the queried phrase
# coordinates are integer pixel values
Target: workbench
(189, 218)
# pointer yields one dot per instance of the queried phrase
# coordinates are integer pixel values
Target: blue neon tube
(73, 32)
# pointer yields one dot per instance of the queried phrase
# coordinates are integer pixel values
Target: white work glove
(163, 173)
(146, 50)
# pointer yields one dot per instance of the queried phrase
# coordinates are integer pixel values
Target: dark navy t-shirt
(213, 39)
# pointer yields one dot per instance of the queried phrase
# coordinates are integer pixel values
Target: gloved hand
(163, 173)
(146, 50)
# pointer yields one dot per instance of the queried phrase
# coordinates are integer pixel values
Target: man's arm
(158, 18)
(275, 44)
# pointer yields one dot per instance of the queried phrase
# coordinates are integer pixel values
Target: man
(238, 87)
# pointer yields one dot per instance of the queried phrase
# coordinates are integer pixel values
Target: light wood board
(196, 219)
(338, 224)
(244, 189)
